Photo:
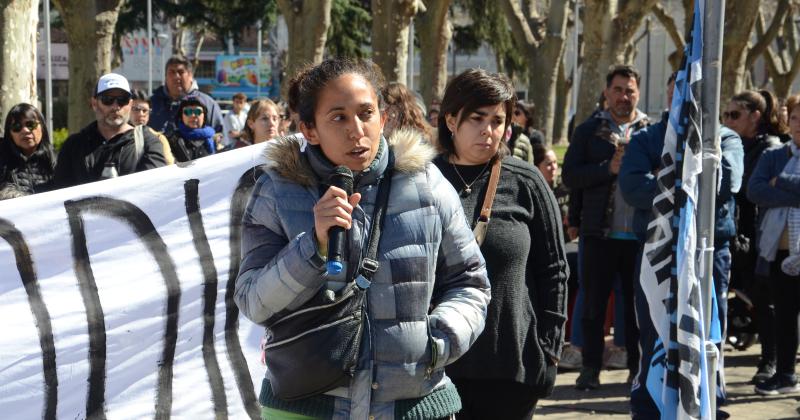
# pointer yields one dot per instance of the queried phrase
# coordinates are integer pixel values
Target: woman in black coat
(27, 158)
(194, 137)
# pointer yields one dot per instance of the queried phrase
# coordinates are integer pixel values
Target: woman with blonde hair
(262, 124)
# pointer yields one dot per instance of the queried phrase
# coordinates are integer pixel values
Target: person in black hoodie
(27, 159)
(194, 137)
(107, 147)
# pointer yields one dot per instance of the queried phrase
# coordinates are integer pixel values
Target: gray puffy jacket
(430, 292)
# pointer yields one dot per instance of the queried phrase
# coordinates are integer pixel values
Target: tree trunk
(390, 21)
(18, 22)
(740, 18)
(308, 22)
(543, 55)
(90, 31)
(608, 30)
(563, 101)
(435, 31)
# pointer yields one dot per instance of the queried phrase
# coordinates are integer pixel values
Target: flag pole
(714, 18)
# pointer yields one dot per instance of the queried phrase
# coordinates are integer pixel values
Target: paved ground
(611, 400)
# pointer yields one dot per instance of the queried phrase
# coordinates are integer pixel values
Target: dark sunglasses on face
(192, 112)
(30, 125)
(732, 115)
(108, 100)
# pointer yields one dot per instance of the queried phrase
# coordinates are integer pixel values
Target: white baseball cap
(112, 81)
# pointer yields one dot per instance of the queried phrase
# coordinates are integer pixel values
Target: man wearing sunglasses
(178, 83)
(109, 145)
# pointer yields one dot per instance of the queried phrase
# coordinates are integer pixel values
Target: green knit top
(440, 403)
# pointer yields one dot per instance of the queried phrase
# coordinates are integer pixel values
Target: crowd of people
(473, 298)
(131, 132)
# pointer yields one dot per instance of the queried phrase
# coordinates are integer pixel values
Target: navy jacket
(586, 173)
(639, 186)
(786, 192)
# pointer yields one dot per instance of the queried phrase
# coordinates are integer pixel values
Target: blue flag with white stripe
(677, 379)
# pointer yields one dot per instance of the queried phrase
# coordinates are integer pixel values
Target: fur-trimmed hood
(285, 157)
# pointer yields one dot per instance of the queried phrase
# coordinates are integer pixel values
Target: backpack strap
(138, 141)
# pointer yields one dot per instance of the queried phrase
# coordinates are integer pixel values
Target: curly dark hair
(306, 86)
(408, 113)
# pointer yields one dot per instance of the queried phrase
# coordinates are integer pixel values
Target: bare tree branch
(668, 22)
(688, 7)
(631, 15)
(774, 27)
(521, 28)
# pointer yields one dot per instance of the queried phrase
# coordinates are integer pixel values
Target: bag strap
(494, 178)
(369, 263)
(138, 142)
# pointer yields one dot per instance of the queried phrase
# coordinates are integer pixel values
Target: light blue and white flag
(677, 379)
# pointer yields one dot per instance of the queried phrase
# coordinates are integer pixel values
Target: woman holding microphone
(427, 296)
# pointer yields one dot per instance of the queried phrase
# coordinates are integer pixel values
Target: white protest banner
(116, 297)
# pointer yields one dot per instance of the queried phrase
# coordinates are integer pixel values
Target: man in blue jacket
(591, 165)
(639, 186)
(178, 83)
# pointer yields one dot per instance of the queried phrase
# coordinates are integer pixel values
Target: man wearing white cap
(109, 146)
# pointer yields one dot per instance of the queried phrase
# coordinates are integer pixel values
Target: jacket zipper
(434, 351)
(321, 327)
(340, 300)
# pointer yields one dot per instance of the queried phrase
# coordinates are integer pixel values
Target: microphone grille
(342, 177)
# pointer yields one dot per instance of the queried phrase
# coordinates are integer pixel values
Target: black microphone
(342, 178)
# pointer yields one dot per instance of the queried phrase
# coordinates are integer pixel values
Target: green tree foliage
(224, 18)
(350, 28)
(489, 25)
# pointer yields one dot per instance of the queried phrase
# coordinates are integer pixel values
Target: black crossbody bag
(316, 348)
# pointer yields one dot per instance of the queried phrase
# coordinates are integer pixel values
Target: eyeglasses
(30, 125)
(192, 112)
(107, 100)
(732, 115)
(141, 109)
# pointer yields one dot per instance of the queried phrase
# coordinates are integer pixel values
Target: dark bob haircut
(191, 100)
(306, 86)
(470, 90)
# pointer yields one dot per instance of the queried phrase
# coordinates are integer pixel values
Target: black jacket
(747, 211)
(186, 150)
(586, 173)
(84, 155)
(28, 175)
